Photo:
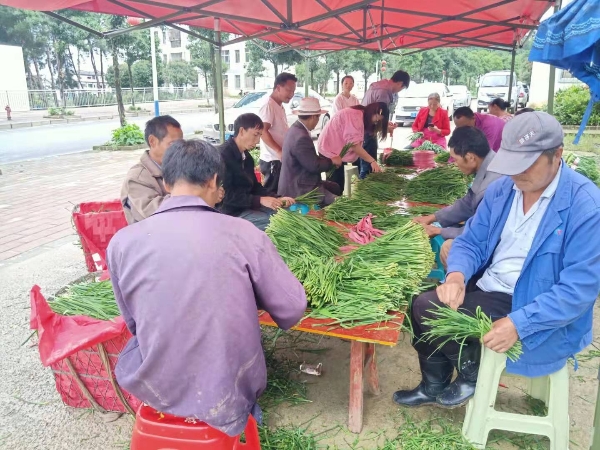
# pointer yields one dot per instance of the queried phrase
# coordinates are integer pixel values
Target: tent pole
(596, 428)
(552, 79)
(219, 80)
(154, 74)
(512, 76)
(306, 73)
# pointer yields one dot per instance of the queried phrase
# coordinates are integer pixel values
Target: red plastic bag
(61, 336)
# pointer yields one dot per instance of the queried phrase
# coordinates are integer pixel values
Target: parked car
(411, 100)
(460, 95)
(495, 85)
(252, 102)
(523, 94)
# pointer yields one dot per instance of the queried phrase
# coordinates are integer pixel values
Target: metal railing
(79, 98)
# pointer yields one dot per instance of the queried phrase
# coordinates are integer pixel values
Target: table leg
(357, 360)
(372, 377)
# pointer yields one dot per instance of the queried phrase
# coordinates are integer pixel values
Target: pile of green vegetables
(442, 186)
(415, 136)
(430, 146)
(399, 170)
(92, 299)
(313, 197)
(358, 288)
(351, 210)
(400, 158)
(585, 165)
(255, 153)
(442, 158)
(382, 186)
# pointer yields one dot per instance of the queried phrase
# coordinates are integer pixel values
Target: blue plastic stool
(436, 245)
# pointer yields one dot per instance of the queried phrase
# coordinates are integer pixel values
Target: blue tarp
(570, 40)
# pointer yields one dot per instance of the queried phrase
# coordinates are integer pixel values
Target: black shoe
(436, 373)
(462, 388)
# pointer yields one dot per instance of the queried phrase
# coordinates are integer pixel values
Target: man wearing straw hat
(301, 165)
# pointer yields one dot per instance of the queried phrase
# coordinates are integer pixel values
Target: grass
(589, 143)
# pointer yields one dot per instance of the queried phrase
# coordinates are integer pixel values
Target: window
(165, 59)
(238, 81)
(566, 76)
(176, 43)
(225, 81)
(237, 56)
(225, 56)
(176, 56)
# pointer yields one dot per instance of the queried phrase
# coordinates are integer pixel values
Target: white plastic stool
(349, 170)
(481, 416)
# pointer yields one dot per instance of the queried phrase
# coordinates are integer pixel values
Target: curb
(123, 148)
(76, 119)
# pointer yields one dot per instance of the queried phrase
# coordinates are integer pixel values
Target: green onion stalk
(382, 186)
(442, 185)
(442, 158)
(415, 136)
(313, 197)
(450, 325)
(351, 210)
(345, 149)
(430, 146)
(422, 210)
(400, 158)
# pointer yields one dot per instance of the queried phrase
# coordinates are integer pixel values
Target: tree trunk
(214, 75)
(49, 61)
(93, 61)
(131, 84)
(115, 55)
(276, 69)
(38, 79)
(366, 75)
(74, 68)
(102, 69)
(30, 83)
(206, 81)
(60, 78)
(337, 85)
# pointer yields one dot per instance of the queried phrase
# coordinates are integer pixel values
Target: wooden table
(363, 361)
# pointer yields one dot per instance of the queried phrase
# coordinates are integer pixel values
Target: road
(52, 140)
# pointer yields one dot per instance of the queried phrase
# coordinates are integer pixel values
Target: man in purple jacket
(188, 281)
(491, 126)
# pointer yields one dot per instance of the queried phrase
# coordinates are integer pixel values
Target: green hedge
(570, 105)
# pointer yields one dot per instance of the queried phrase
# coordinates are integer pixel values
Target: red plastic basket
(86, 378)
(96, 223)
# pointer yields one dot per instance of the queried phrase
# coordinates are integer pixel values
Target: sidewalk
(36, 118)
(36, 199)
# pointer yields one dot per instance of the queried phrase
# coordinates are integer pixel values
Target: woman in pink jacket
(349, 126)
(433, 122)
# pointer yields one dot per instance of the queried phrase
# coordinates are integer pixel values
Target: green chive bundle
(458, 326)
(422, 210)
(351, 210)
(400, 158)
(399, 170)
(382, 186)
(415, 136)
(442, 158)
(93, 299)
(392, 221)
(430, 146)
(442, 185)
(291, 232)
(345, 149)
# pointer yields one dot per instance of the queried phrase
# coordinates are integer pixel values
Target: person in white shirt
(345, 99)
(276, 126)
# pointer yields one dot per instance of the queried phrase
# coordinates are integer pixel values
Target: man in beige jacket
(143, 190)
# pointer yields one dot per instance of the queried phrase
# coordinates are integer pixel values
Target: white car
(523, 94)
(461, 95)
(252, 102)
(411, 100)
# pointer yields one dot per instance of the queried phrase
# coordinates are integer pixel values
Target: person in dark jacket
(301, 165)
(245, 197)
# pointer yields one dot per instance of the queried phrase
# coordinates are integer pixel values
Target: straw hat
(309, 106)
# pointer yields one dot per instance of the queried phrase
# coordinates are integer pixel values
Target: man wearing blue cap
(530, 258)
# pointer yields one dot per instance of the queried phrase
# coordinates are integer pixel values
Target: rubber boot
(462, 388)
(436, 373)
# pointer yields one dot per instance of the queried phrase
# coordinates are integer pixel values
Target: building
(13, 81)
(540, 76)
(89, 81)
(173, 45)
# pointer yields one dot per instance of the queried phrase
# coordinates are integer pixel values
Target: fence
(77, 98)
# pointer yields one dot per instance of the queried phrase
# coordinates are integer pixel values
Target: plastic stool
(349, 170)
(158, 431)
(481, 416)
(436, 245)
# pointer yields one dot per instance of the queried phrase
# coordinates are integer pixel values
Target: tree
(142, 73)
(257, 53)
(364, 61)
(338, 62)
(110, 76)
(180, 73)
(137, 48)
(203, 55)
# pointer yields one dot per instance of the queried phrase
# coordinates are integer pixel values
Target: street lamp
(133, 21)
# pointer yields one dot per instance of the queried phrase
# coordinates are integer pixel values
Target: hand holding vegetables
(424, 220)
(452, 291)
(336, 160)
(432, 231)
(502, 336)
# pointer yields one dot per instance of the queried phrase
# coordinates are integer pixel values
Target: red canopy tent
(329, 25)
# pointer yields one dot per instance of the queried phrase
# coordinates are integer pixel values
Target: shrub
(570, 105)
(52, 111)
(130, 134)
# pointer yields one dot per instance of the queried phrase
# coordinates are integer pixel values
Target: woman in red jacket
(433, 122)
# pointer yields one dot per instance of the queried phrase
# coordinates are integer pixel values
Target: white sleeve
(337, 104)
(266, 113)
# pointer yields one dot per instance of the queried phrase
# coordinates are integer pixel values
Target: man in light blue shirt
(530, 258)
